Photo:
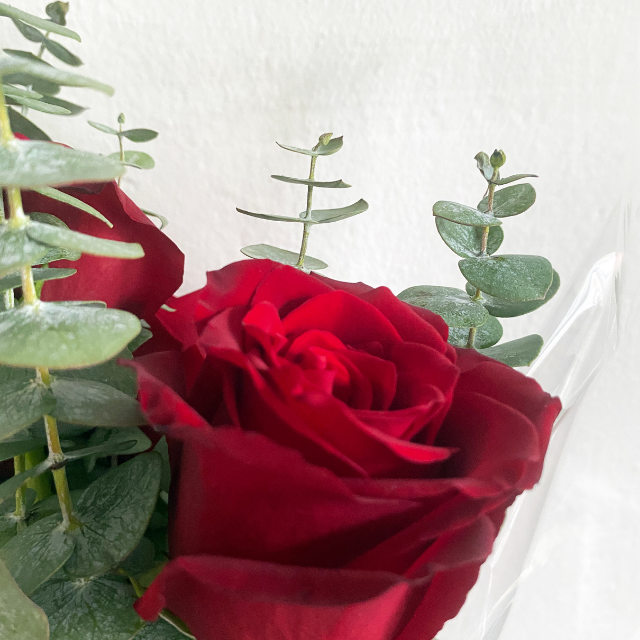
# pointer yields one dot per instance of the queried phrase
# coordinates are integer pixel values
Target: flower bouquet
(277, 455)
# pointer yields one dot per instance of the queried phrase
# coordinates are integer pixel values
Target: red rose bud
(339, 471)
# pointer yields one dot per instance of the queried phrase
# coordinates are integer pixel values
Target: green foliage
(136, 159)
(324, 216)
(20, 619)
(39, 275)
(516, 353)
(466, 241)
(18, 249)
(23, 125)
(454, 306)
(335, 184)
(9, 487)
(96, 608)
(63, 337)
(46, 25)
(54, 253)
(510, 201)
(510, 277)
(37, 105)
(23, 402)
(332, 146)
(487, 335)
(268, 252)
(139, 135)
(30, 164)
(61, 196)
(461, 214)
(57, 11)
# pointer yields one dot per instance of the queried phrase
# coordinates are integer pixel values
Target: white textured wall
(417, 89)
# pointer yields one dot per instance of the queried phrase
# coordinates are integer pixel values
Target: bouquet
(278, 455)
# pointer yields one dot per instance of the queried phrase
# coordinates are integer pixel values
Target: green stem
(483, 251)
(17, 219)
(121, 152)
(21, 504)
(40, 484)
(307, 214)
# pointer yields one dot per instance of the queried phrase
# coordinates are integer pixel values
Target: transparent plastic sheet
(580, 337)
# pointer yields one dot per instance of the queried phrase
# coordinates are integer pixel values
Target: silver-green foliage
(502, 286)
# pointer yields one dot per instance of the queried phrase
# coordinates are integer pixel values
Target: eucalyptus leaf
(57, 11)
(136, 159)
(60, 196)
(163, 221)
(516, 353)
(22, 404)
(108, 442)
(29, 164)
(104, 128)
(160, 630)
(268, 252)
(484, 165)
(20, 124)
(9, 487)
(510, 277)
(63, 337)
(53, 253)
(94, 404)
(268, 216)
(486, 336)
(454, 306)
(39, 275)
(467, 241)
(37, 105)
(139, 135)
(12, 447)
(518, 176)
(505, 309)
(335, 184)
(114, 511)
(16, 92)
(17, 249)
(75, 241)
(41, 23)
(461, 214)
(20, 619)
(510, 201)
(325, 216)
(71, 107)
(334, 145)
(14, 64)
(31, 34)
(98, 608)
(36, 553)
(62, 53)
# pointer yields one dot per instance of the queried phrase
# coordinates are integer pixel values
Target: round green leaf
(510, 201)
(461, 214)
(516, 353)
(57, 11)
(335, 184)
(486, 336)
(39, 275)
(14, 447)
(18, 250)
(9, 487)
(28, 164)
(268, 252)
(505, 309)
(454, 306)
(74, 241)
(41, 23)
(334, 145)
(63, 337)
(467, 241)
(139, 135)
(94, 404)
(99, 608)
(114, 511)
(509, 277)
(325, 216)
(36, 553)
(161, 630)
(136, 159)
(484, 165)
(20, 619)
(23, 403)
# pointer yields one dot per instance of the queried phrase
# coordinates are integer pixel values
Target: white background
(417, 89)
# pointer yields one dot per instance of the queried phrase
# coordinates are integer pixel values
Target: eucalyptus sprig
(29, 92)
(309, 217)
(497, 286)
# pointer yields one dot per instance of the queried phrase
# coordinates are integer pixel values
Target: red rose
(339, 471)
(139, 286)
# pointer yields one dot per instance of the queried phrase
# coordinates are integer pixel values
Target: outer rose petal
(140, 286)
